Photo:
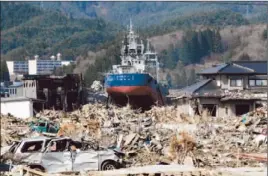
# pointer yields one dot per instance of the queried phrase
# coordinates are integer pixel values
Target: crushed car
(26, 150)
(56, 155)
(43, 126)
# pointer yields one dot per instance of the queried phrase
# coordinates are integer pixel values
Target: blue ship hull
(140, 90)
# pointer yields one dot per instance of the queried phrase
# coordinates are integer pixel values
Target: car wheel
(109, 165)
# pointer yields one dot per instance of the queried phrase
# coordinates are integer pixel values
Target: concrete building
(20, 107)
(11, 89)
(36, 66)
(16, 89)
(38, 92)
(226, 90)
(18, 67)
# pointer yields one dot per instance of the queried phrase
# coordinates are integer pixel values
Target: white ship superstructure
(134, 58)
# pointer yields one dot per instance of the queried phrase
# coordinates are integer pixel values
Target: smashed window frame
(36, 146)
(58, 145)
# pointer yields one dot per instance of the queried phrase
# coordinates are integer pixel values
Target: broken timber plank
(156, 170)
(34, 172)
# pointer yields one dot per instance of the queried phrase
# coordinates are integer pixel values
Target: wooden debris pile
(12, 129)
(215, 143)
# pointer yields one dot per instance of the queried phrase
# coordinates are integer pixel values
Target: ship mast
(148, 46)
(130, 25)
(155, 59)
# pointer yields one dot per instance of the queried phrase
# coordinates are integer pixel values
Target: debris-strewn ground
(161, 135)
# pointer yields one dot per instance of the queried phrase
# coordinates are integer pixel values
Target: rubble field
(162, 135)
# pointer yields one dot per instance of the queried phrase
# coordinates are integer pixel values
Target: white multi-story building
(36, 66)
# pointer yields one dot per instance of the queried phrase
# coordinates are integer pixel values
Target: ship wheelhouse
(134, 58)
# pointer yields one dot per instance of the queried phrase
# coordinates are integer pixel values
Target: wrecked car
(44, 126)
(64, 155)
(26, 150)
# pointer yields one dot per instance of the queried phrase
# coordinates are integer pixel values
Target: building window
(236, 82)
(251, 82)
(15, 91)
(258, 82)
(261, 82)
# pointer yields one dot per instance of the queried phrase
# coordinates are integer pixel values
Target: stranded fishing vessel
(135, 81)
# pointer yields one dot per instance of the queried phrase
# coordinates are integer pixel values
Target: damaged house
(38, 92)
(59, 92)
(226, 90)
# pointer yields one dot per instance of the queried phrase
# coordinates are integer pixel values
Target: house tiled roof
(238, 67)
(209, 90)
(214, 69)
(206, 87)
(194, 87)
(259, 67)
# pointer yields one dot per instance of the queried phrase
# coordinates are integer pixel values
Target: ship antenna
(130, 25)
(148, 46)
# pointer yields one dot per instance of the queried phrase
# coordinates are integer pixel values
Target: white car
(64, 155)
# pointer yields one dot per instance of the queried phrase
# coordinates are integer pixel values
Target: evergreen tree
(195, 49)
(185, 54)
(169, 80)
(177, 80)
(209, 38)
(244, 57)
(184, 81)
(264, 34)
(192, 76)
(170, 58)
(4, 74)
(218, 48)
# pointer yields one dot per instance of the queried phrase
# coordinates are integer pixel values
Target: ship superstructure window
(152, 56)
(132, 51)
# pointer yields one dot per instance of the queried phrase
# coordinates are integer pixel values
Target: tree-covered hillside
(146, 13)
(48, 32)
(208, 19)
(75, 28)
(14, 14)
